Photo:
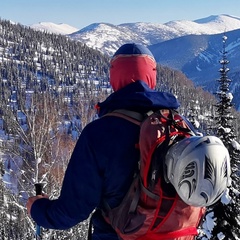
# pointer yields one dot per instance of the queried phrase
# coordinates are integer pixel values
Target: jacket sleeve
(80, 193)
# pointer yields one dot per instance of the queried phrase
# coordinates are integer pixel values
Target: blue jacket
(102, 163)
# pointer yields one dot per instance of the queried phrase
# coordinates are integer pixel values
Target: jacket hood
(137, 97)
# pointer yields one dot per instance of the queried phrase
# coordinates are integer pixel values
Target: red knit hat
(130, 63)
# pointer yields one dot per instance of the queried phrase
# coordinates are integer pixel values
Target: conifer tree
(226, 212)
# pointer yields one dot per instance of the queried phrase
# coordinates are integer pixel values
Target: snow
(229, 96)
(208, 225)
(54, 28)
(220, 236)
(224, 38)
(225, 199)
(223, 19)
(226, 130)
(236, 145)
(205, 56)
(232, 45)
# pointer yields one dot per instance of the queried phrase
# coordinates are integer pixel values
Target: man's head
(130, 63)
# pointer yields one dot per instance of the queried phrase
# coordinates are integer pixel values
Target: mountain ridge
(198, 56)
(193, 47)
(107, 37)
(50, 27)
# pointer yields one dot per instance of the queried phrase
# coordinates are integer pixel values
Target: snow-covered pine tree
(193, 113)
(227, 211)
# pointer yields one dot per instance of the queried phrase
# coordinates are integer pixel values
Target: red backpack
(152, 209)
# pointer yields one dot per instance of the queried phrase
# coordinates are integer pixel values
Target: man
(105, 158)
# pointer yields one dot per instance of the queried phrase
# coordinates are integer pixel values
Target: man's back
(105, 157)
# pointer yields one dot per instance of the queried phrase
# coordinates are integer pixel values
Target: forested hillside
(49, 86)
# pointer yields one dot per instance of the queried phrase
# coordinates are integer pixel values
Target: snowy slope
(106, 37)
(54, 28)
(198, 55)
(210, 25)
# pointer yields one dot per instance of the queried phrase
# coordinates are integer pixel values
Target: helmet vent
(209, 171)
(188, 178)
(207, 141)
(224, 168)
(189, 171)
(204, 195)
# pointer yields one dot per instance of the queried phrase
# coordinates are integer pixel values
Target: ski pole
(38, 190)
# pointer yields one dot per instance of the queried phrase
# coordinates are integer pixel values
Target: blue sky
(81, 13)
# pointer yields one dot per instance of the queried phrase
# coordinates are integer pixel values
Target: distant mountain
(197, 56)
(108, 37)
(193, 47)
(54, 28)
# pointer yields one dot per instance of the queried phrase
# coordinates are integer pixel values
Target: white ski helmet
(199, 169)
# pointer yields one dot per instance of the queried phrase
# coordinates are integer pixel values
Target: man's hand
(31, 200)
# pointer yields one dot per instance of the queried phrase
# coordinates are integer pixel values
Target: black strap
(136, 197)
(90, 229)
(149, 193)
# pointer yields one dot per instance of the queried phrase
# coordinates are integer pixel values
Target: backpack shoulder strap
(132, 116)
